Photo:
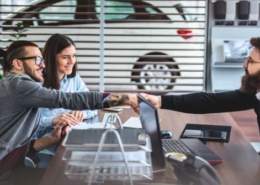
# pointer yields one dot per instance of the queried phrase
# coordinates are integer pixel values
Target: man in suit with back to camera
(247, 97)
(21, 96)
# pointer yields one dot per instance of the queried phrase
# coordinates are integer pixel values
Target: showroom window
(148, 45)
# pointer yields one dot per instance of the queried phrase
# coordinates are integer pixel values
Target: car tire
(143, 72)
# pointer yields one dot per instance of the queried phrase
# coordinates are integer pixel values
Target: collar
(258, 95)
(12, 74)
(64, 79)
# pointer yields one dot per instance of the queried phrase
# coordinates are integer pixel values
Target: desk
(241, 164)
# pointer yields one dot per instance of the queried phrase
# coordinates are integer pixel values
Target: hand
(133, 102)
(116, 99)
(67, 119)
(154, 100)
(59, 132)
(53, 138)
(78, 115)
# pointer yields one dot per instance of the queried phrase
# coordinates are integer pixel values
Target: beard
(250, 83)
(29, 73)
(34, 78)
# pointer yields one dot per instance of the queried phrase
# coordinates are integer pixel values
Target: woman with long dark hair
(61, 73)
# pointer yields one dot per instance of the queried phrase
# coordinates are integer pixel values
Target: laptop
(150, 123)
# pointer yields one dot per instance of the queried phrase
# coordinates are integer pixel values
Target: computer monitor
(150, 123)
(236, 50)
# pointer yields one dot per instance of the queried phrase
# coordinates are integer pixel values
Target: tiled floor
(248, 124)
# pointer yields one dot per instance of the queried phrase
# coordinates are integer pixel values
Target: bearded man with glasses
(247, 97)
(20, 99)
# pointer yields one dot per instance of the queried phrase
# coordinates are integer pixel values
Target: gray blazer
(20, 98)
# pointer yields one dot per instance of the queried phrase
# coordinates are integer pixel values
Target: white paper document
(133, 122)
(84, 125)
(256, 146)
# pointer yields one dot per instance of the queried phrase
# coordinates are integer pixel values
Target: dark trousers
(13, 171)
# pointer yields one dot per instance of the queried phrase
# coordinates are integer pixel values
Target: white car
(151, 45)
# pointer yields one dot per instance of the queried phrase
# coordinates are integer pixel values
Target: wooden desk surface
(241, 165)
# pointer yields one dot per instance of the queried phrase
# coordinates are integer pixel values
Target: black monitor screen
(150, 123)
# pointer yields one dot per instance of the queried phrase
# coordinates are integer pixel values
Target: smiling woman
(60, 73)
(61, 68)
(66, 60)
(59, 54)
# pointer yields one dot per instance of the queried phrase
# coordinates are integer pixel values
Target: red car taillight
(185, 33)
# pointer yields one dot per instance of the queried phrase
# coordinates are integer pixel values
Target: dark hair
(15, 50)
(2, 56)
(54, 45)
(255, 42)
(250, 83)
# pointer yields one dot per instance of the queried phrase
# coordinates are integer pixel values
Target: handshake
(62, 123)
(131, 99)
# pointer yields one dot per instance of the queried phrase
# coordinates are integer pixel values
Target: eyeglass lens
(39, 60)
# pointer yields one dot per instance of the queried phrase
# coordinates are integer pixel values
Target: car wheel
(155, 75)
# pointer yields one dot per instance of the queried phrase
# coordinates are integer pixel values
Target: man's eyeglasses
(37, 59)
(251, 60)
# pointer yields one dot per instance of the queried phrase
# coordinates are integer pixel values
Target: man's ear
(17, 64)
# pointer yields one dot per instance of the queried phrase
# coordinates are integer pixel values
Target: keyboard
(170, 145)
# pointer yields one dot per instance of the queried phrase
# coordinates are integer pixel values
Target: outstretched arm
(209, 102)
(202, 102)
